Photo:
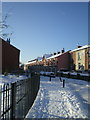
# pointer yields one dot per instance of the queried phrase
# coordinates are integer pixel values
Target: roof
(47, 55)
(54, 56)
(8, 44)
(30, 62)
(83, 47)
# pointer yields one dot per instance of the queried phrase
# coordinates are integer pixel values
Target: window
(82, 53)
(79, 66)
(89, 53)
(79, 56)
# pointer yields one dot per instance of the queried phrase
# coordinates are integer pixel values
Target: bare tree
(4, 26)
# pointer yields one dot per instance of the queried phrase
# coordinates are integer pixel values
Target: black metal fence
(17, 98)
(77, 76)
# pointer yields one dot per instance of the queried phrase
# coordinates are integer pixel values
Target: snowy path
(54, 101)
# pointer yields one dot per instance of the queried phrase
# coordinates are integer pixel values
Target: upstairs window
(89, 53)
(79, 56)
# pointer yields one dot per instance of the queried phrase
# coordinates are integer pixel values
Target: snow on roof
(47, 55)
(83, 47)
(39, 58)
(30, 62)
(54, 56)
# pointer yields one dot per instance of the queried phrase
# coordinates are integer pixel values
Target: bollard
(50, 78)
(78, 76)
(60, 79)
(68, 75)
(63, 83)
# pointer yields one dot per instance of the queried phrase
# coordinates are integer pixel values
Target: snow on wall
(11, 78)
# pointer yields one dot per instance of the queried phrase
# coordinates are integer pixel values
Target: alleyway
(54, 101)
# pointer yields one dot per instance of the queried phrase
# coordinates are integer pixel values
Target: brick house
(63, 61)
(29, 64)
(77, 59)
(10, 56)
(80, 58)
(58, 61)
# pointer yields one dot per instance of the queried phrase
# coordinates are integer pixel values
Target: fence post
(63, 83)
(0, 102)
(50, 78)
(68, 75)
(13, 100)
(89, 78)
(3, 99)
(60, 79)
(78, 76)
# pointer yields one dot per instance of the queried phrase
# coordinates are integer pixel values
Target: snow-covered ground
(54, 101)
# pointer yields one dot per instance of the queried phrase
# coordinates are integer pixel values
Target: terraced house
(80, 58)
(55, 62)
(77, 59)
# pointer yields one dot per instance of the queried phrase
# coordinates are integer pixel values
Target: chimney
(54, 53)
(8, 40)
(62, 51)
(79, 46)
(43, 57)
(58, 52)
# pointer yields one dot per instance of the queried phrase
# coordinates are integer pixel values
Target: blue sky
(46, 27)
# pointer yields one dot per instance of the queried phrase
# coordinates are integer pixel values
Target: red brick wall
(73, 60)
(10, 57)
(0, 56)
(63, 61)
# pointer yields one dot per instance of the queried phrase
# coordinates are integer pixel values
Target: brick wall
(73, 60)
(0, 56)
(10, 57)
(63, 61)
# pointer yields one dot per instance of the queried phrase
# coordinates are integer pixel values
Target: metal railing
(17, 98)
(76, 76)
